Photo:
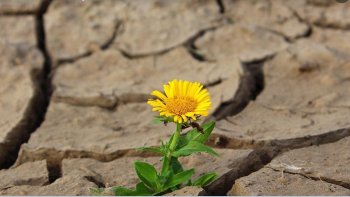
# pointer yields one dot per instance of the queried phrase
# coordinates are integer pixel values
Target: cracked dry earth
(76, 76)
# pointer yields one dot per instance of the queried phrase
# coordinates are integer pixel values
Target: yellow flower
(182, 100)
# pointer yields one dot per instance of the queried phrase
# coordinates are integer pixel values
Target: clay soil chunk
(107, 78)
(147, 26)
(323, 13)
(239, 42)
(328, 162)
(120, 172)
(19, 6)
(314, 170)
(336, 39)
(306, 93)
(19, 60)
(272, 15)
(70, 131)
(268, 182)
(68, 185)
(17, 29)
(31, 173)
(154, 26)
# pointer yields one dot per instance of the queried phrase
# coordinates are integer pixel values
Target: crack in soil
(251, 85)
(55, 157)
(221, 141)
(315, 178)
(192, 49)
(264, 155)
(319, 24)
(221, 6)
(18, 13)
(54, 169)
(188, 43)
(36, 109)
(102, 47)
(331, 26)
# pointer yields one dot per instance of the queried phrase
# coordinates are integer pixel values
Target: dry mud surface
(76, 75)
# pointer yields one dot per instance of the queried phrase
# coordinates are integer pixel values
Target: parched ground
(75, 77)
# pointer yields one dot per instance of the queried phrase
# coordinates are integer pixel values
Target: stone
(268, 182)
(186, 191)
(137, 28)
(315, 103)
(68, 185)
(20, 60)
(107, 78)
(120, 172)
(272, 15)
(30, 173)
(19, 6)
(239, 42)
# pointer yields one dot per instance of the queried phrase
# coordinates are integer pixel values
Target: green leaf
(176, 165)
(151, 149)
(186, 138)
(143, 190)
(147, 174)
(170, 141)
(179, 178)
(165, 167)
(207, 129)
(205, 179)
(122, 191)
(193, 147)
(195, 135)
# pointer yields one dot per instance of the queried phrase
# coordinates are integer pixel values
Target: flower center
(181, 105)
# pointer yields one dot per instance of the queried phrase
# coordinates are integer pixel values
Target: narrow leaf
(194, 147)
(165, 166)
(195, 135)
(179, 178)
(186, 138)
(205, 179)
(147, 174)
(207, 129)
(176, 165)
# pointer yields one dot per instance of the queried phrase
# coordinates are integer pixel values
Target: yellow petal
(176, 118)
(184, 118)
(159, 95)
(169, 93)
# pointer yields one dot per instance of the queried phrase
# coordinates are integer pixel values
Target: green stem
(176, 137)
(167, 157)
